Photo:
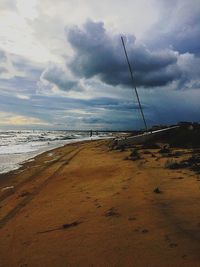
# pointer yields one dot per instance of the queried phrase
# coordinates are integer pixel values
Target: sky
(62, 64)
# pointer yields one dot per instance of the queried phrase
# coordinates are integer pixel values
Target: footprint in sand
(117, 193)
(26, 243)
(124, 188)
(173, 245)
(126, 180)
(97, 204)
(131, 218)
(112, 212)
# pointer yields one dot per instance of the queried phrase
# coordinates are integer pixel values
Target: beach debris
(134, 155)
(112, 212)
(150, 146)
(193, 163)
(174, 154)
(64, 226)
(177, 154)
(173, 165)
(68, 225)
(11, 188)
(147, 152)
(164, 150)
(157, 190)
(112, 145)
(122, 148)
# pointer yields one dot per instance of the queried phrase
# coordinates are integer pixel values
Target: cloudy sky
(62, 64)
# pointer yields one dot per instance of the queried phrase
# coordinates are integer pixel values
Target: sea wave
(19, 146)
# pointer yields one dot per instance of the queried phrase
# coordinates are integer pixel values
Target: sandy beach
(87, 205)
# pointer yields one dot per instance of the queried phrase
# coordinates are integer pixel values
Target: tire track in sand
(27, 199)
(34, 175)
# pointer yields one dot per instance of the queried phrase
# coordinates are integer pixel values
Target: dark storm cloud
(98, 53)
(96, 120)
(112, 104)
(178, 26)
(58, 77)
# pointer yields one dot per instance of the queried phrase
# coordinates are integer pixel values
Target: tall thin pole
(134, 87)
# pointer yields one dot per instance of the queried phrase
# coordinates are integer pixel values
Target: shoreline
(87, 205)
(8, 176)
(31, 155)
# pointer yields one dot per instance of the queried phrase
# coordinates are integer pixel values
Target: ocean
(17, 147)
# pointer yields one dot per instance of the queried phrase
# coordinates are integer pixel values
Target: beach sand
(85, 205)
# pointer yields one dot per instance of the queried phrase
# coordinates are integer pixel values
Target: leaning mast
(133, 84)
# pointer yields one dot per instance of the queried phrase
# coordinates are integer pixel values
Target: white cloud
(7, 68)
(20, 96)
(27, 9)
(17, 37)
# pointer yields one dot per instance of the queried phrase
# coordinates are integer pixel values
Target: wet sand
(85, 205)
